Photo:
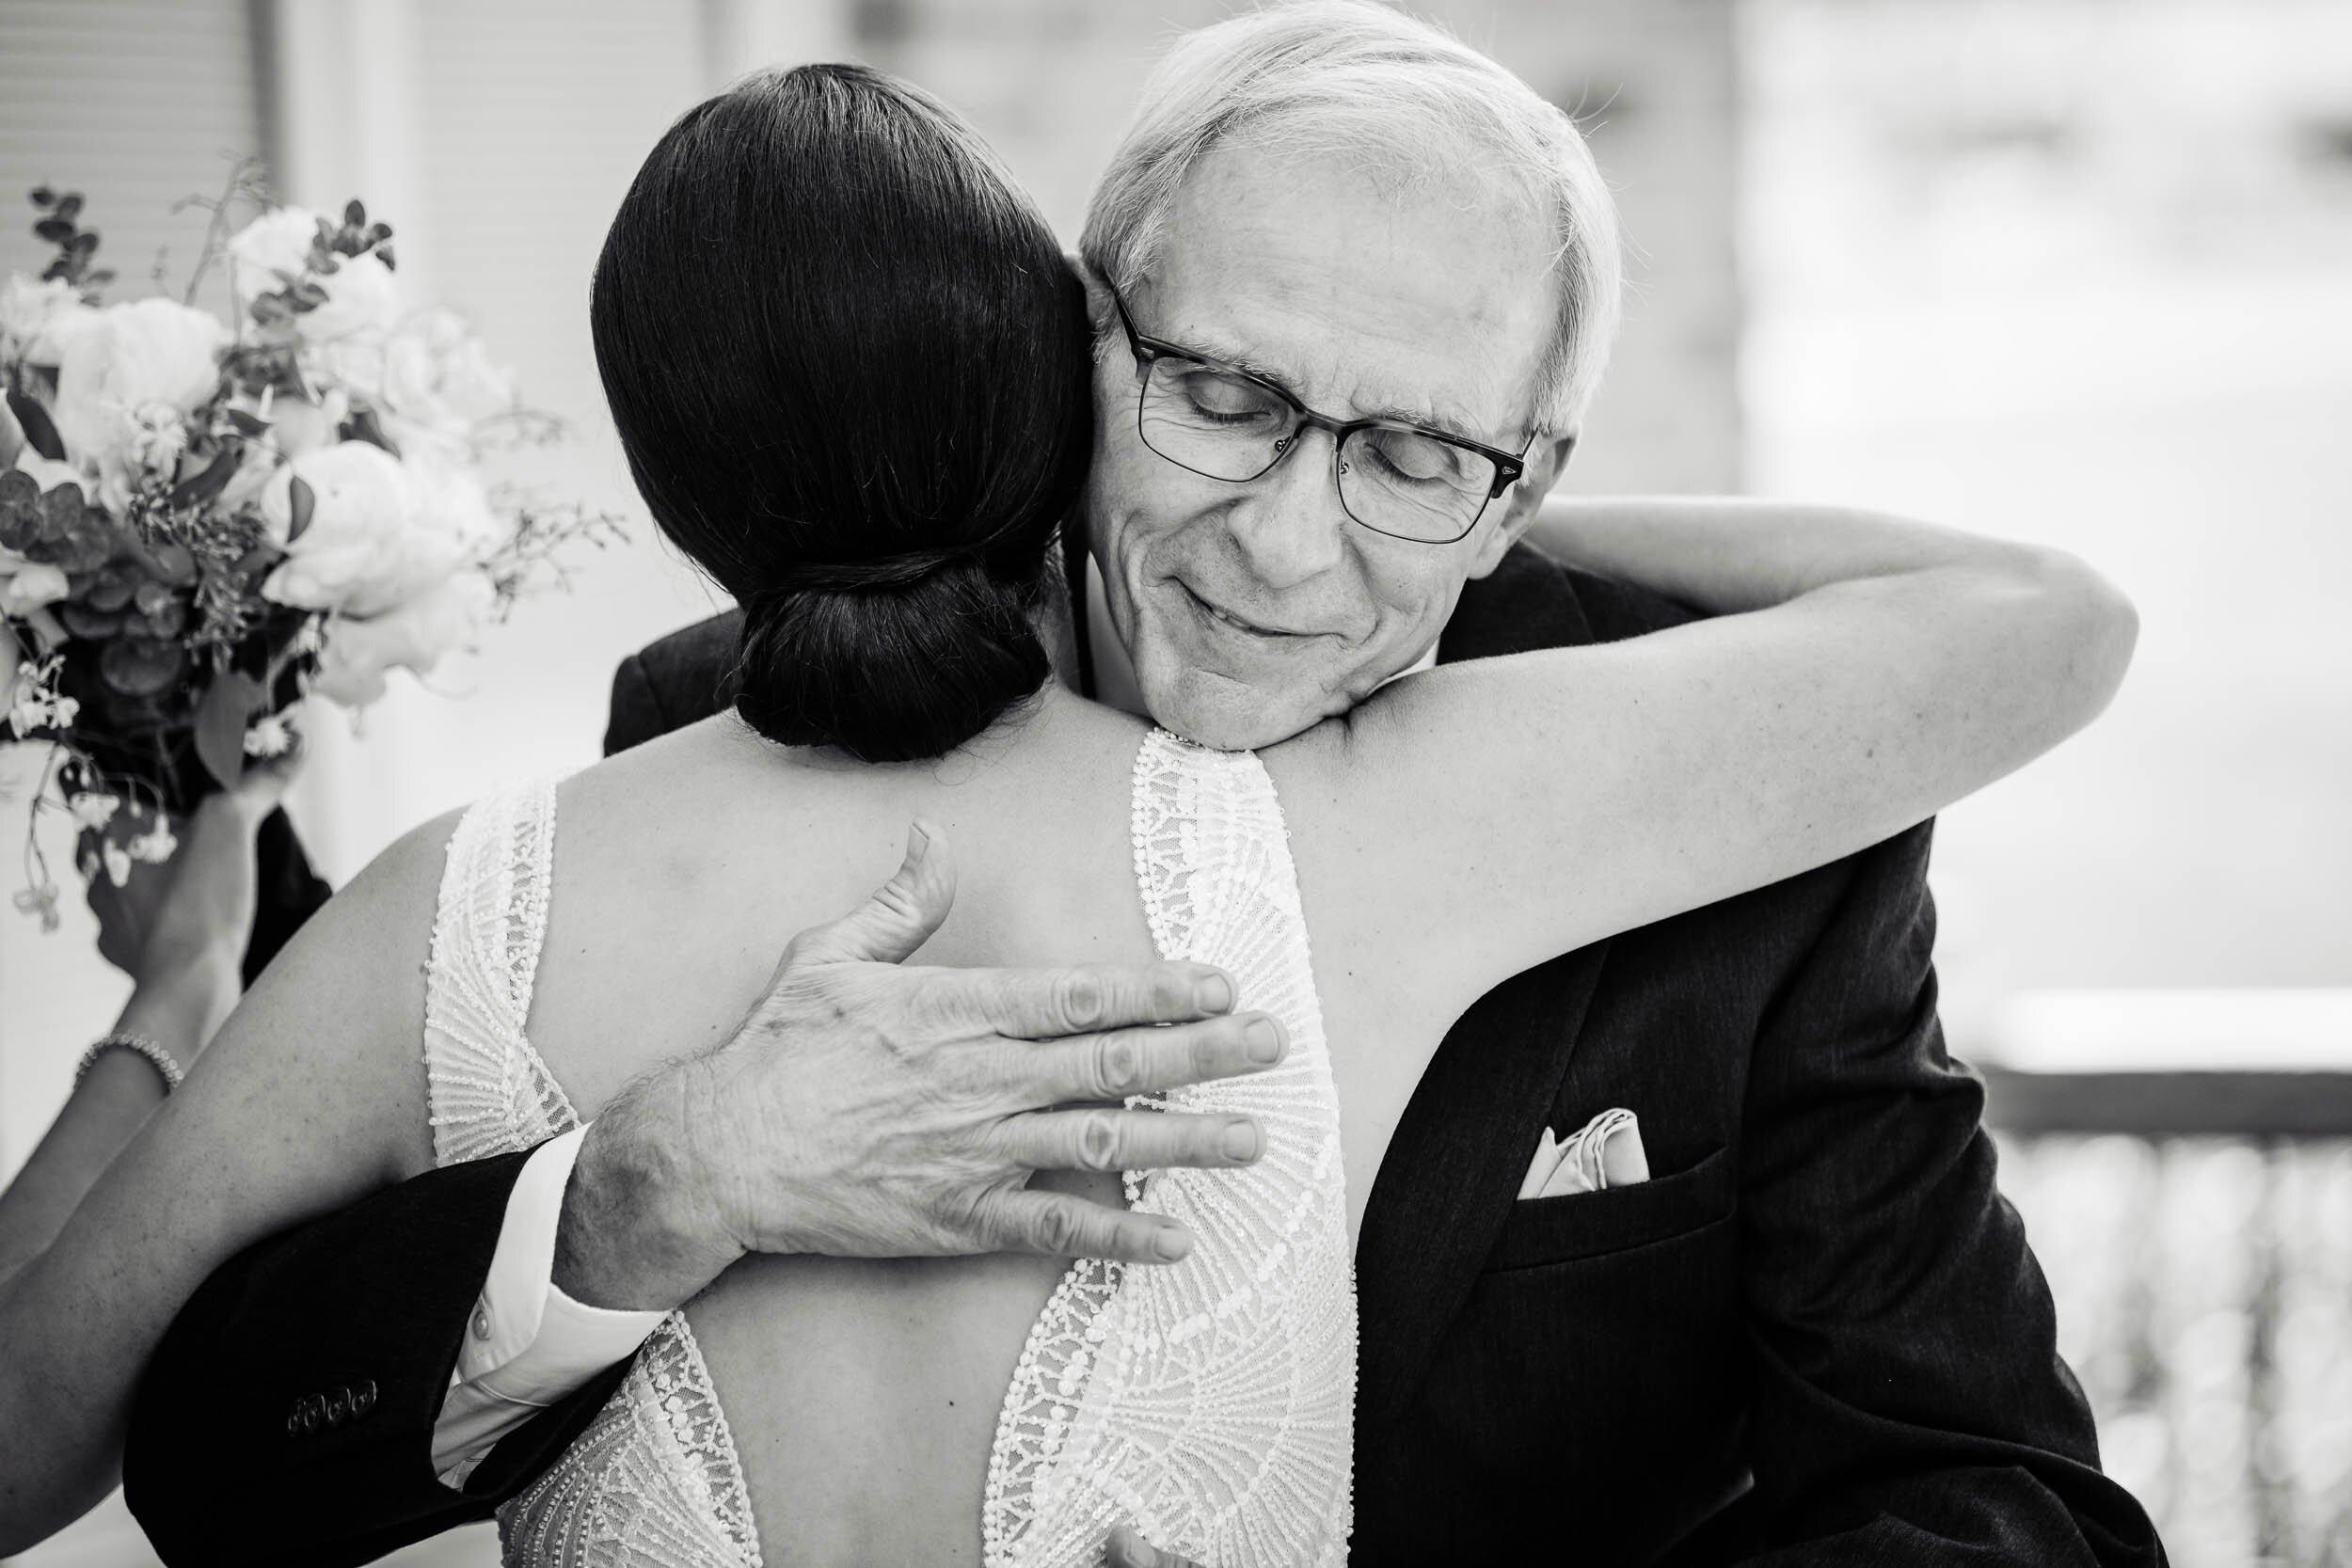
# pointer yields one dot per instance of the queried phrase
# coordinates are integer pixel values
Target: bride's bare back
(863, 1397)
(862, 1394)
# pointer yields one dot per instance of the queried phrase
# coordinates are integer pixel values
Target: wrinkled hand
(1127, 1548)
(868, 1108)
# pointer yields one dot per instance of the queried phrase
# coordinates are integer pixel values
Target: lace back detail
(655, 1482)
(1211, 1401)
(489, 1091)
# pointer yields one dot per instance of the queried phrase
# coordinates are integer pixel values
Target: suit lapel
(1453, 1168)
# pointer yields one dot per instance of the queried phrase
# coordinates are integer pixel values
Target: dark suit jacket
(1816, 1334)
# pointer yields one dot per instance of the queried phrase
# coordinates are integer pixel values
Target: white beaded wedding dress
(1209, 1402)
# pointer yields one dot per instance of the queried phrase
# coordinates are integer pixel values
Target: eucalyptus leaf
(91, 625)
(301, 501)
(85, 548)
(40, 431)
(143, 667)
(61, 512)
(206, 487)
(169, 563)
(166, 622)
(364, 426)
(113, 590)
(229, 703)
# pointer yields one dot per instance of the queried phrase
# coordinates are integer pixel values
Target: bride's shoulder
(393, 897)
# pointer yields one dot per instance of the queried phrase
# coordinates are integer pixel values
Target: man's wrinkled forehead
(1385, 297)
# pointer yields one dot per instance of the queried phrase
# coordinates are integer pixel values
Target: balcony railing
(2196, 1226)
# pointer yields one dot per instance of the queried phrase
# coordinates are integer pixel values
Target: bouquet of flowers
(201, 523)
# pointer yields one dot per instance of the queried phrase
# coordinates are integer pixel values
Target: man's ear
(1098, 292)
(1519, 504)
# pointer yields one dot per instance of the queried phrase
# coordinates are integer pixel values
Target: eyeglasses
(1224, 422)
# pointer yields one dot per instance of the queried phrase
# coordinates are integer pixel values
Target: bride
(853, 377)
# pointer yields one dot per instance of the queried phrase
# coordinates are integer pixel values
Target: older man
(1801, 1325)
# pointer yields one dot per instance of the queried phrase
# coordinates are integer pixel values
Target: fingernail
(1216, 994)
(1241, 1142)
(918, 842)
(1170, 1242)
(1264, 1039)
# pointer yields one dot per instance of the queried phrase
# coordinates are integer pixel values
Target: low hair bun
(893, 666)
(852, 372)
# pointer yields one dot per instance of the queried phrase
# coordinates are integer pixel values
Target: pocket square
(1606, 1153)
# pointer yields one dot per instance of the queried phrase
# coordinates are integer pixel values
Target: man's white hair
(1368, 82)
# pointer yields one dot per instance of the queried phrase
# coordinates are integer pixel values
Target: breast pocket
(1545, 1230)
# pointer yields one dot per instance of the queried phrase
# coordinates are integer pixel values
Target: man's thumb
(901, 915)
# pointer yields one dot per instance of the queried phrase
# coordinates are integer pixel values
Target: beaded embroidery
(654, 1482)
(1209, 1402)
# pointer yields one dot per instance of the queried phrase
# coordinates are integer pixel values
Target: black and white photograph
(1175, 783)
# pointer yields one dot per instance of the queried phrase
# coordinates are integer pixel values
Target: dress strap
(1209, 1403)
(1213, 861)
(489, 1091)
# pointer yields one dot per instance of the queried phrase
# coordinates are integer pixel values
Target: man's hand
(870, 1109)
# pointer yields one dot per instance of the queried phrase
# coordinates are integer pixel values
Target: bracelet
(138, 1043)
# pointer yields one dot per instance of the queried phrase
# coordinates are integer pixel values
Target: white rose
(354, 363)
(31, 310)
(436, 371)
(272, 251)
(380, 531)
(29, 587)
(114, 365)
(301, 426)
(444, 618)
(361, 300)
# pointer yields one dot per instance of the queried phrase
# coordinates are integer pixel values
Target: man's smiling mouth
(1227, 618)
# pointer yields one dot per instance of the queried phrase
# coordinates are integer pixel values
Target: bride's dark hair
(850, 367)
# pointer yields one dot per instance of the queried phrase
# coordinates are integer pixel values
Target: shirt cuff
(528, 1345)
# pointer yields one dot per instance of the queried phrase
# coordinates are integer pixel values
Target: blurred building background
(2077, 271)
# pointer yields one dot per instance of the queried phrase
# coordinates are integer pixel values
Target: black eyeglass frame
(1149, 351)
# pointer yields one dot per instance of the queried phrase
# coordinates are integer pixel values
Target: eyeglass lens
(1228, 427)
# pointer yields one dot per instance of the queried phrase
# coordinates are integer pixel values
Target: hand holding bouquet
(201, 523)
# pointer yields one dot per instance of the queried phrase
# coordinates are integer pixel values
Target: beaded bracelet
(138, 1043)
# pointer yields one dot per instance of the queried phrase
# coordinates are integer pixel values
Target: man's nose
(1290, 524)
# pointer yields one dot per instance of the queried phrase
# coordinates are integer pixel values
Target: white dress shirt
(528, 1344)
